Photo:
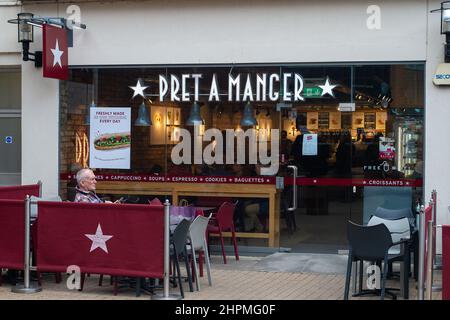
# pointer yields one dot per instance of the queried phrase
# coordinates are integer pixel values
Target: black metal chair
(178, 242)
(413, 245)
(371, 243)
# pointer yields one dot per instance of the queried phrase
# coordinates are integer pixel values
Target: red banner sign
(330, 182)
(179, 179)
(55, 56)
(101, 238)
(12, 231)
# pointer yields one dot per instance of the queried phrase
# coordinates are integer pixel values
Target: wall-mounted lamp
(445, 27)
(25, 36)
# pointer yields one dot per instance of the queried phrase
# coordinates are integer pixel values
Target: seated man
(86, 187)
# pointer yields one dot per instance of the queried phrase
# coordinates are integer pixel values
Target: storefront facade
(381, 64)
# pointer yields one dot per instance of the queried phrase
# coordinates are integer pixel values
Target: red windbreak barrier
(19, 192)
(12, 233)
(446, 262)
(115, 239)
(349, 182)
(428, 217)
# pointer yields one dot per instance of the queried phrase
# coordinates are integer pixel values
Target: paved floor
(281, 276)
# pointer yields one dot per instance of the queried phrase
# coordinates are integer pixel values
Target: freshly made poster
(110, 138)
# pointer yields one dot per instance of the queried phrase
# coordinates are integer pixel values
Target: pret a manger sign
(241, 87)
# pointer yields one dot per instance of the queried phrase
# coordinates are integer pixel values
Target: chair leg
(83, 277)
(348, 276)
(177, 265)
(138, 287)
(186, 260)
(197, 280)
(39, 278)
(383, 281)
(223, 247)
(200, 262)
(58, 277)
(208, 266)
(116, 280)
(1, 276)
(361, 267)
(100, 281)
(233, 236)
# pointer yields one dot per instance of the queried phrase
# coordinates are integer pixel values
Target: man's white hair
(81, 175)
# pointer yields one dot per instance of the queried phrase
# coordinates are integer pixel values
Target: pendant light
(143, 119)
(248, 119)
(194, 118)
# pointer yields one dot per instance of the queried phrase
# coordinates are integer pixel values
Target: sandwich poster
(110, 138)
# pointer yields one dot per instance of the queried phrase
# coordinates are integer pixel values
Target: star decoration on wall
(57, 54)
(328, 88)
(138, 89)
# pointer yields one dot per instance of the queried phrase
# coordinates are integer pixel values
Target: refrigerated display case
(408, 136)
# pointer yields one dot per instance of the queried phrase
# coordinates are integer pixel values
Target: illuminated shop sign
(286, 87)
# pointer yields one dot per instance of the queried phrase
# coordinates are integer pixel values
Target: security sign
(55, 53)
(442, 75)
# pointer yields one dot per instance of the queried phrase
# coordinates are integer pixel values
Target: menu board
(312, 120)
(110, 138)
(358, 120)
(335, 120)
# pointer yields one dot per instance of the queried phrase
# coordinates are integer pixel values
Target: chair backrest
(197, 231)
(399, 229)
(180, 235)
(225, 215)
(368, 242)
(394, 214)
(155, 202)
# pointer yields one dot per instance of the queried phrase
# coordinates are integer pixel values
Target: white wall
(234, 31)
(437, 120)
(40, 131)
(8, 31)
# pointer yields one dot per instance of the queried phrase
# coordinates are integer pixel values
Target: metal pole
(429, 285)
(166, 295)
(27, 287)
(40, 188)
(420, 294)
(294, 188)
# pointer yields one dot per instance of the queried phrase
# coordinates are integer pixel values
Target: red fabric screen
(19, 192)
(115, 239)
(445, 262)
(12, 233)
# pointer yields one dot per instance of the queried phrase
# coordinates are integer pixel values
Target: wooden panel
(207, 189)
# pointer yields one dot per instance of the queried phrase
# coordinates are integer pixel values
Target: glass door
(319, 131)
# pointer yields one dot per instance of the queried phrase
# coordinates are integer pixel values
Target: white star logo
(328, 88)
(98, 239)
(138, 89)
(57, 54)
